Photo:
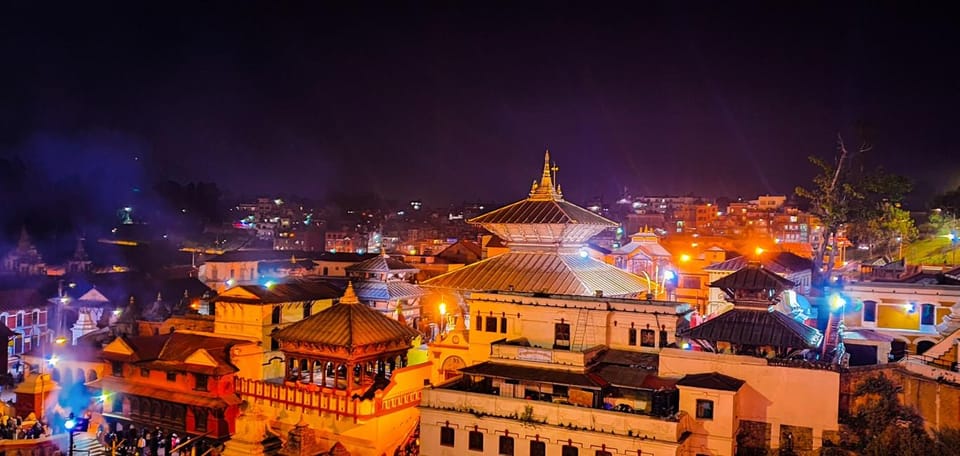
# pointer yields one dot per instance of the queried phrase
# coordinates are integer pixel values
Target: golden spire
(546, 188)
(349, 296)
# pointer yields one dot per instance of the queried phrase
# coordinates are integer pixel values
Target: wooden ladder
(580, 331)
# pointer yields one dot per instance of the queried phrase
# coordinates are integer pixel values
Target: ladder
(580, 331)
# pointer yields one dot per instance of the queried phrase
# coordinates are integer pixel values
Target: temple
(545, 235)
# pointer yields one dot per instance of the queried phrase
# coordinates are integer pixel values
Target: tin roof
(778, 262)
(387, 291)
(757, 328)
(531, 211)
(753, 276)
(533, 272)
(348, 324)
(381, 263)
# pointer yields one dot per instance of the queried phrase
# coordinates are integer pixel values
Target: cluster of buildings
(532, 340)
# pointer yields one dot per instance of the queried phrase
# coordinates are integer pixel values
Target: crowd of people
(13, 428)
(134, 441)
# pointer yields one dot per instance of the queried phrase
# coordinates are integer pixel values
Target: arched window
(36, 317)
(19, 319)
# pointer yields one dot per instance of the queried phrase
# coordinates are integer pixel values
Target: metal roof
(387, 291)
(293, 291)
(757, 328)
(549, 272)
(531, 211)
(381, 263)
(348, 324)
(778, 262)
(753, 276)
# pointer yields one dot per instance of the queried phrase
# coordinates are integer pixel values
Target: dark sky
(451, 103)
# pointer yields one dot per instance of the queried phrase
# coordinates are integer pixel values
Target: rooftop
(713, 380)
(779, 262)
(381, 263)
(292, 291)
(753, 327)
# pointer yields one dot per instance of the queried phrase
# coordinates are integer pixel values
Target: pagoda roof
(381, 263)
(778, 262)
(753, 276)
(372, 290)
(178, 351)
(757, 328)
(348, 324)
(539, 211)
(535, 272)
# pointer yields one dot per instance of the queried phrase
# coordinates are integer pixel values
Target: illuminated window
(869, 311)
(447, 436)
(704, 409)
(506, 446)
(538, 448)
(632, 336)
(475, 441)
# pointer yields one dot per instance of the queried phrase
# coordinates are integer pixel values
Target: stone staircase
(86, 445)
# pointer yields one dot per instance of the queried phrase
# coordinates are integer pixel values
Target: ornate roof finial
(349, 296)
(546, 188)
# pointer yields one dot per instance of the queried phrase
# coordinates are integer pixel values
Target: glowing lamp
(684, 258)
(669, 275)
(759, 251)
(70, 424)
(60, 340)
(837, 302)
(583, 254)
(231, 282)
(103, 397)
(910, 307)
(53, 360)
(116, 312)
(443, 309)
(269, 284)
(685, 346)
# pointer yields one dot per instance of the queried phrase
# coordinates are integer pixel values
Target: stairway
(86, 445)
(833, 342)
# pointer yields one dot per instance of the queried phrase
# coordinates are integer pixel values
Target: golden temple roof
(348, 324)
(535, 272)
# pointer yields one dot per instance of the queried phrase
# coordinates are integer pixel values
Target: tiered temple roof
(545, 235)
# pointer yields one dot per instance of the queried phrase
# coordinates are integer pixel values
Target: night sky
(449, 103)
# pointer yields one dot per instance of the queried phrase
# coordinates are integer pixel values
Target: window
(144, 372)
(869, 311)
(20, 319)
(476, 441)
(201, 382)
(447, 436)
(503, 325)
(690, 282)
(479, 323)
(171, 376)
(928, 314)
(605, 453)
(632, 336)
(561, 390)
(506, 446)
(116, 368)
(561, 335)
(274, 344)
(663, 336)
(491, 324)
(569, 450)
(36, 317)
(275, 317)
(200, 419)
(538, 448)
(704, 409)
(307, 309)
(647, 338)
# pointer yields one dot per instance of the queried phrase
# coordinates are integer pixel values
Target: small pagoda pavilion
(348, 346)
(384, 283)
(754, 326)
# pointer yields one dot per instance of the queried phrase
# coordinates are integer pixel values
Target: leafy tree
(845, 193)
(886, 230)
(882, 426)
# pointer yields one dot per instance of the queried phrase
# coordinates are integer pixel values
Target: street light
(70, 425)
(443, 317)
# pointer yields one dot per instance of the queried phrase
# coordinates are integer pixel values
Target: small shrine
(25, 259)
(34, 393)
(754, 326)
(253, 436)
(348, 347)
(384, 283)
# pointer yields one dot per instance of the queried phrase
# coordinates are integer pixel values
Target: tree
(885, 231)
(882, 426)
(846, 193)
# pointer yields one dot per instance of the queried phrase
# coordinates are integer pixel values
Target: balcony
(556, 414)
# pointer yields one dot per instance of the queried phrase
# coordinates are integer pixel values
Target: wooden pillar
(323, 373)
(312, 364)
